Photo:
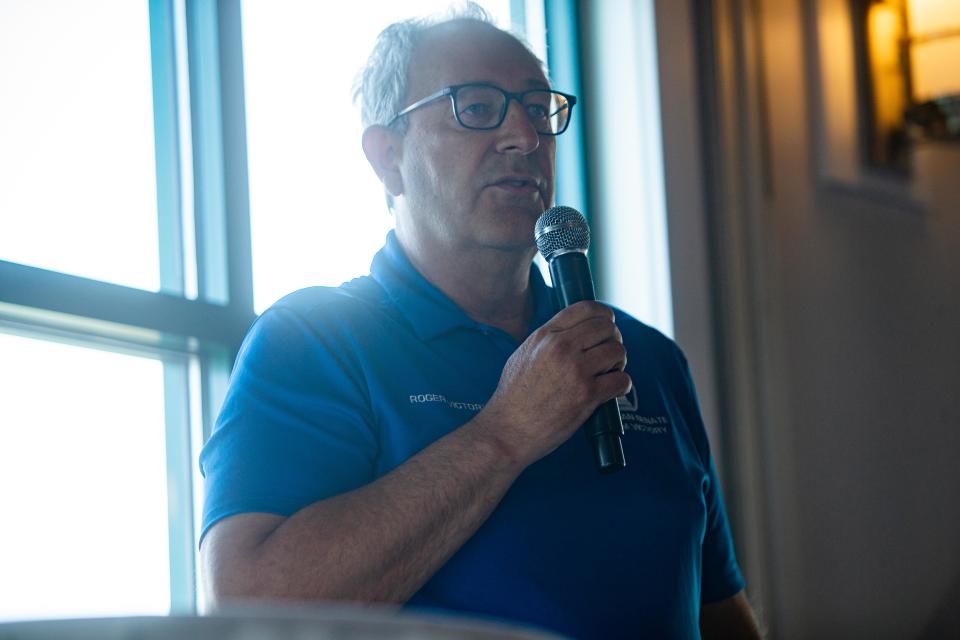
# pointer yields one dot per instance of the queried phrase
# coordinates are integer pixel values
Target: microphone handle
(571, 277)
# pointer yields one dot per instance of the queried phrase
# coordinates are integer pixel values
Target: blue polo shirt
(334, 387)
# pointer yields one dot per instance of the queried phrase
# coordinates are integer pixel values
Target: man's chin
(504, 200)
(523, 213)
(508, 226)
(515, 241)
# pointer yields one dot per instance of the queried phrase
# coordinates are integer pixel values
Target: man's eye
(477, 109)
(537, 111)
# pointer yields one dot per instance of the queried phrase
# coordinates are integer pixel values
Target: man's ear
(382, 146)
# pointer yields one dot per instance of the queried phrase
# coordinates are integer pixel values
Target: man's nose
(517, 133)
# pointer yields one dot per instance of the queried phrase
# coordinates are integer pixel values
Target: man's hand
(552, 383)
(730, 618)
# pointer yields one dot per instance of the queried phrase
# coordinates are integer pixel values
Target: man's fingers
(592, 332)
(613, 385)
(606, 357)
(577, 313)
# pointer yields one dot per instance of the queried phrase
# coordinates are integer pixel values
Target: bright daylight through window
(83, 477)
(77, 169)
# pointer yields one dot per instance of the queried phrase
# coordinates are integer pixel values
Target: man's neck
(492, 286)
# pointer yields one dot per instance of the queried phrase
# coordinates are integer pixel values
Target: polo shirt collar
(428, 310)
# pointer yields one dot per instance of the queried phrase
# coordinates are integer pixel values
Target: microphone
(563, 238)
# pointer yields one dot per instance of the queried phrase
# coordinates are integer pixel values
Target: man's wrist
(486, 432)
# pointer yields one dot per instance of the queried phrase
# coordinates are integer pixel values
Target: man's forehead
(470, 51)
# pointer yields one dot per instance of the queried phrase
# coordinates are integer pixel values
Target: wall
(850, 299)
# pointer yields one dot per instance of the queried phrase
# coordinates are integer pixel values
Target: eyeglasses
(484, 106)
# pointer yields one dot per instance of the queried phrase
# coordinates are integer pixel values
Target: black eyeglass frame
(508, 96)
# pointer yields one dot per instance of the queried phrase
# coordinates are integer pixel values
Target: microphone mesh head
(561, 230)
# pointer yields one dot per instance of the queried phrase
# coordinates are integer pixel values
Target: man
(410, 437)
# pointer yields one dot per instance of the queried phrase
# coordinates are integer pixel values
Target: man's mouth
(518, 184)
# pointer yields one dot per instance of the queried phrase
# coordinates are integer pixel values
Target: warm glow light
(930, 16)
(884, 27)
(935, 48)
(838, 85)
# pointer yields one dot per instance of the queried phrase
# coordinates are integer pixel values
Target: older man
(406, 437)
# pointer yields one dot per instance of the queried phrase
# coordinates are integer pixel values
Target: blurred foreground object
(261, 623)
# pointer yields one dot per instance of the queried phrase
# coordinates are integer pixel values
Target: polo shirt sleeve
(721, 577)
(295, 426)
(720, 574)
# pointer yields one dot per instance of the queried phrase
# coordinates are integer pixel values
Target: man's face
(465, 188)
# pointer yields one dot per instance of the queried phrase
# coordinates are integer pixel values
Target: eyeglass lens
(480, 107)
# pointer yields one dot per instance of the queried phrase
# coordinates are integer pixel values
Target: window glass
(82, 482)
(77, 177)
(317, 210)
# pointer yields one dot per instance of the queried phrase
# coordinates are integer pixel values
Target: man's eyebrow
(532, 83)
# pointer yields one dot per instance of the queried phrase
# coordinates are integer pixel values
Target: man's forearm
(383, 541)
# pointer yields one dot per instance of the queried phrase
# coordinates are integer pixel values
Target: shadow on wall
(945, 622)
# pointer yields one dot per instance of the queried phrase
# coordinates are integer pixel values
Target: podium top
(339, 623)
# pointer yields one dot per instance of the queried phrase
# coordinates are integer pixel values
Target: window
(627, 154)
(126, 278)
(83, 470)
(77, 158)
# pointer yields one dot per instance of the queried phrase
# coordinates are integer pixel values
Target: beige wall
(846, 290)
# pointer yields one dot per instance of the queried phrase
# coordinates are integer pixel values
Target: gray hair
(381, 85)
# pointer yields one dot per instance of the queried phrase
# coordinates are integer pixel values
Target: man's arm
(380, 542)
(383, 541)
(730, 618)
